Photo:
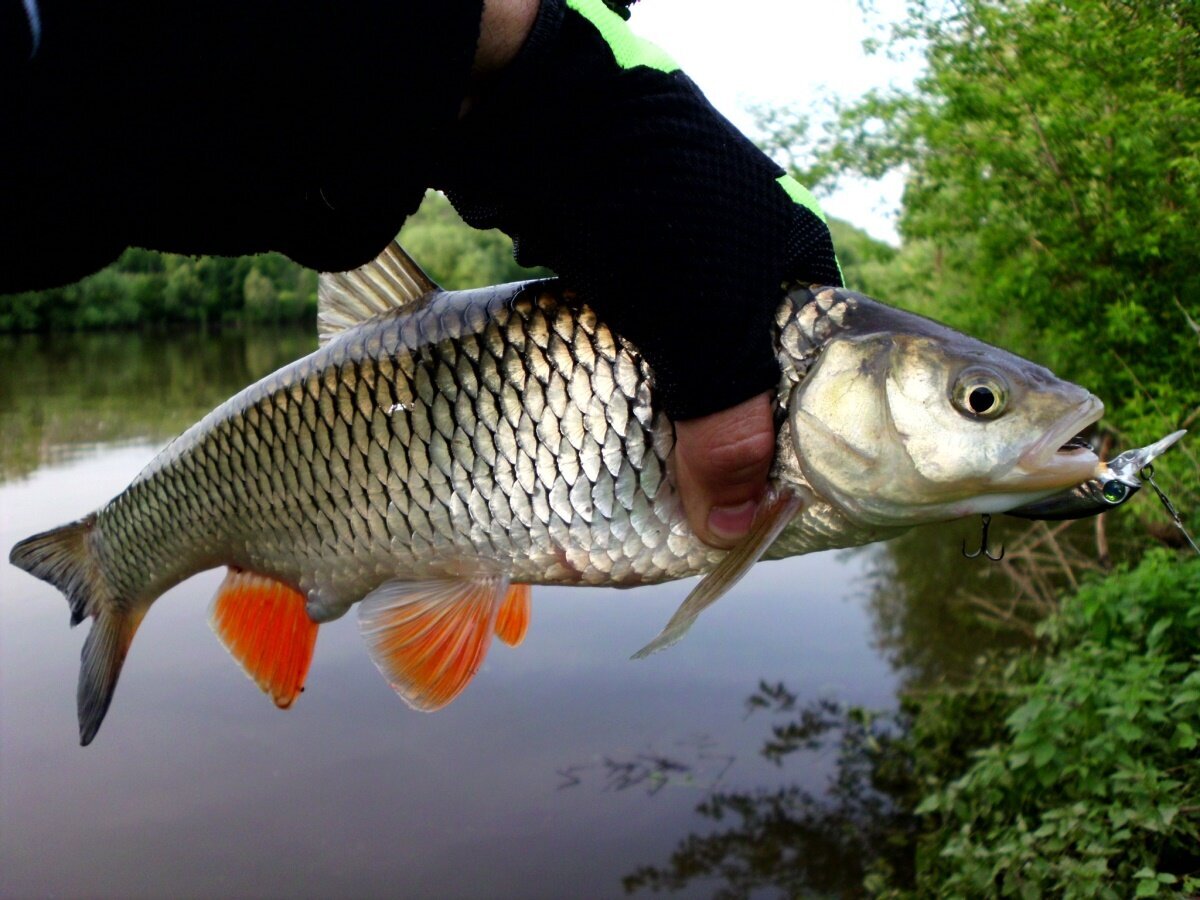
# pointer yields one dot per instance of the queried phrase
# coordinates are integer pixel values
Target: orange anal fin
(264, 625)
(512, 622)
(429, 638)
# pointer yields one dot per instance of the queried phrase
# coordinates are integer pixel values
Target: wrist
(503, 29)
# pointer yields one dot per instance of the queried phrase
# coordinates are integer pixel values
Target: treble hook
(983, 543)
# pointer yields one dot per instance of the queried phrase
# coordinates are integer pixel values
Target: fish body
(442, 450)
(499, 428)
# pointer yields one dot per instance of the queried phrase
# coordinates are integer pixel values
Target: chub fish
(444, 450)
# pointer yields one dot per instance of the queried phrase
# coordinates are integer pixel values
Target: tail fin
(100, 665)
(65, 558)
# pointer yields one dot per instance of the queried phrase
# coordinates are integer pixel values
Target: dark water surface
(563, 768)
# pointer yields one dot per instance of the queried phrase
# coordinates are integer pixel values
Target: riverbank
(1067, 768)
(1091, 784)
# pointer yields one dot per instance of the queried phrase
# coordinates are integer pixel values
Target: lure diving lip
(1117, 480)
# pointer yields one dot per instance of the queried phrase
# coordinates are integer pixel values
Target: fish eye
(980, 394)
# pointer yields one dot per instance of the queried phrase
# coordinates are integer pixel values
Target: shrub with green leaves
(1095, 789)
(1051, 150)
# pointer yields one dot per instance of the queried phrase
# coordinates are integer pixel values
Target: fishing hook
(983, 543)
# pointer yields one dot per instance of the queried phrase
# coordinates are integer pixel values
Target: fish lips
(1055, 460)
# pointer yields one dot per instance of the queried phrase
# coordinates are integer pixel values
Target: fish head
(901, 420)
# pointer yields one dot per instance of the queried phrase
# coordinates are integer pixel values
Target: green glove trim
(801, 195)
(628, 49)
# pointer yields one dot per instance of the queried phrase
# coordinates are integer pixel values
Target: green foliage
(148, 288)
(455, 255)
(1052, 191)
(1092, 789)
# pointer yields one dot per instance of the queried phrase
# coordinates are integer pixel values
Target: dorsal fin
(390, 281)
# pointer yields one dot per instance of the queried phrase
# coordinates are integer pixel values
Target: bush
(1094, 789)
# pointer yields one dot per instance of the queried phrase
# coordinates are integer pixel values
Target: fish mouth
(1062, 457)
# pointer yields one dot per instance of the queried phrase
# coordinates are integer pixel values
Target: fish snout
(1060, 457)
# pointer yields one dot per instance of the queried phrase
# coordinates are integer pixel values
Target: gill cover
(843, 431)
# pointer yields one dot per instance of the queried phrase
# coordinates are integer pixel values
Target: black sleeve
(220, 127)
(620, 176)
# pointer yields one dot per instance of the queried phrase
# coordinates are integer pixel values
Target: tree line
(146, 288)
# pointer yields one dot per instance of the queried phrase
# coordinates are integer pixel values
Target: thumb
(721, 466)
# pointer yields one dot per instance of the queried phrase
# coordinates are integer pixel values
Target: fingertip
(729, 524)
(723, 461)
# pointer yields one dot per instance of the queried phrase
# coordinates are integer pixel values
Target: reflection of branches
(1038, 565)
(793, 841)
(922, 622)
(935, 612)
(806, 732)
(654, 771)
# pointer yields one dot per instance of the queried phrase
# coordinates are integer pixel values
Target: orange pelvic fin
(429, 638)
(512, 622)
(263, 623)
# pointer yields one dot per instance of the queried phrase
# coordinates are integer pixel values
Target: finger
(721, 466)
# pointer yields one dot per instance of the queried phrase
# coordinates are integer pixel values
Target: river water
(562, 769)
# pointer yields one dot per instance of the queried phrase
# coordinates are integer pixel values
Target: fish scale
(493, 437)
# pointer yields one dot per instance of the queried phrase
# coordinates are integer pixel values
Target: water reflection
(696, 762)
(791, 840)
(919, 599)
(564, 768)
(61, 394)
(198, 786)
(935, 612)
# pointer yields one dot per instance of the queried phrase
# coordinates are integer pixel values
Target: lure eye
(1115, 491)
(980, 394)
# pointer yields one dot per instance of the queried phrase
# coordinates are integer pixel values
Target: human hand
(607, 165)
(721, 466)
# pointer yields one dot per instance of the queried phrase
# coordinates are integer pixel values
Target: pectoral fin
(264, 625)
(429, 638)
(776, 512)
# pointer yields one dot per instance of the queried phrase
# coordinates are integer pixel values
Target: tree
(1052, 151)
(455, 255)
(261, 296)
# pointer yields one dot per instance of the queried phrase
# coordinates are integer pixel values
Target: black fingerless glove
(220, 127)
(608, 165)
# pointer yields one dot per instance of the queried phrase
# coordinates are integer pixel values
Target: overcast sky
(786, 52)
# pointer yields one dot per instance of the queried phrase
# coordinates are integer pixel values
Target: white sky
(793, 53)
